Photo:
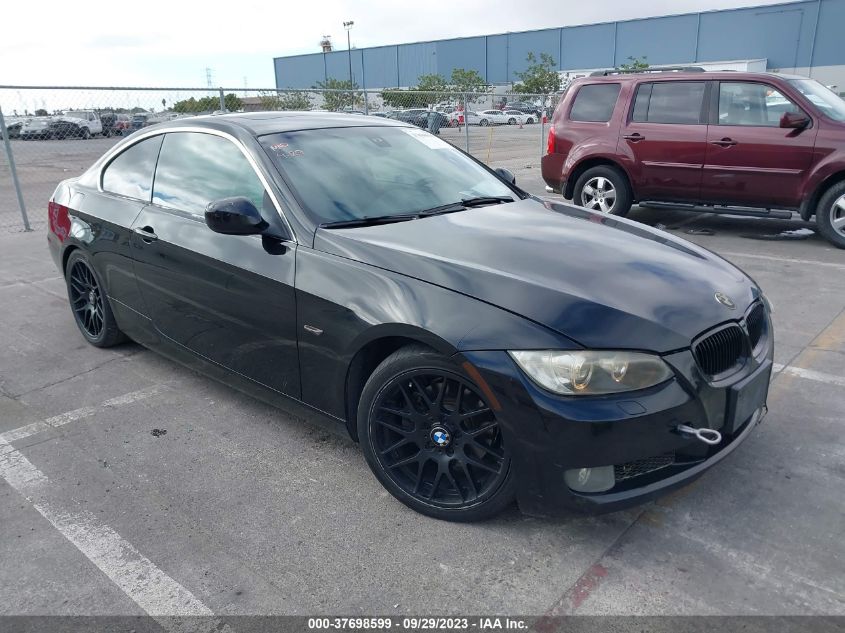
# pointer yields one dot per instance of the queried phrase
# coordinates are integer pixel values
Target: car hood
(602, 281)
(68, 119)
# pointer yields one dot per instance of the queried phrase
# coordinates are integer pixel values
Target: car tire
(89, 303)
(511, 121)
(830, 215)
(432, 440)
(86, 133)
(484, 122)
(612, 192)
(529, 121)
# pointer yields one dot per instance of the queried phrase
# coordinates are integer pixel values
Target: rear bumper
(550, 435)
(552, 170)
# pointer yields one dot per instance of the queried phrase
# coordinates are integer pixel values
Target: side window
(195, 169)
(742, 103)
(676, 102)
(640, 112)
(594, 102)
(131, 173)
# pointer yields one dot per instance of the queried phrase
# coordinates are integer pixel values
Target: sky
(171, 43)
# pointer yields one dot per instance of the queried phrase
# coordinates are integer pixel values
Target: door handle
(636, 136)
(725, 142)
(146, 233)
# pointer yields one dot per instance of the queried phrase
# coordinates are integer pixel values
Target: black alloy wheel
(432, 439)
(86, 301)
(90, 306)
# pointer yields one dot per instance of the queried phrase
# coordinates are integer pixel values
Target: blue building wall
(791, 35)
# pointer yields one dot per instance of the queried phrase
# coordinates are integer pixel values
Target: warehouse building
(795, 37)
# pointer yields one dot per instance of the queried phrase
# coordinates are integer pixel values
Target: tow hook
(708, 436)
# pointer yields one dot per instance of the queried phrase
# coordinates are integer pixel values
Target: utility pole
(348, 26)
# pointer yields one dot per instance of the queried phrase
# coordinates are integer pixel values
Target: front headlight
(591, 373)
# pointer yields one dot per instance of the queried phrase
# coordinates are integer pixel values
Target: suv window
(678, 102)
(594, 103)
(131, 173)
(745, 103)
(195, 169)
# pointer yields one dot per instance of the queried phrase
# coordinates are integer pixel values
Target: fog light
(590, 479)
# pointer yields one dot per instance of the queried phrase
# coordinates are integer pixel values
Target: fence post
(14, 171)
(542, 118)
(466, 119)
(222, 100)
(366, 104)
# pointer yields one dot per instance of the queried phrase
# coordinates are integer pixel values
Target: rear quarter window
(594, 103)
(131, 173)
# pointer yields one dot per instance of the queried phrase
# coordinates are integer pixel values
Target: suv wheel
(830, 215)
(604, 189)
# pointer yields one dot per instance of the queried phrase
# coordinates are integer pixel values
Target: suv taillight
(550, 148)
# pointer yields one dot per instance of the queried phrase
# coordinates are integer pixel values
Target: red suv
(721, 138)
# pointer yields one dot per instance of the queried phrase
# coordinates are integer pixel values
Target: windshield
(341, 174)
(822, 97)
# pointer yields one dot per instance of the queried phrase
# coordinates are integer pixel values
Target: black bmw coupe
(482, 344)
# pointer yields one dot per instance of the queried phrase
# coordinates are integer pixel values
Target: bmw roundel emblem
(440, 436)
(725, 300)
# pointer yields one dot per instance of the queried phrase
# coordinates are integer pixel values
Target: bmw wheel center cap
(440, 436)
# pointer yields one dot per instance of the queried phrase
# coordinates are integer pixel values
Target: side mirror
(234, 216)
(506, 175)
(794, 120)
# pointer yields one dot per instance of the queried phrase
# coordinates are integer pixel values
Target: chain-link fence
(54, 133)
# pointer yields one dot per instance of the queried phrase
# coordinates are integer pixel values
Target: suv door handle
(146, 233)
(725, 142)
(636, 136)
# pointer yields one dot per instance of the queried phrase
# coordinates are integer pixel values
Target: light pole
(348, 26)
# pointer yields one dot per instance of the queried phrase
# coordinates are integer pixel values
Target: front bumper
(551, 434)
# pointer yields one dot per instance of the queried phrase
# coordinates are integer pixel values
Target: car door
(95, 126)
(664, 138)
(750, 159)
(124, 189)
(229, 299)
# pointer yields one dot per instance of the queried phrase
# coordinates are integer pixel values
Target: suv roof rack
(660, 69)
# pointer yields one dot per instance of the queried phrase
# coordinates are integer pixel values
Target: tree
(208, 104)
(468, 82)
(41, 112)
(541, 77)
(335, 101)
(286, 101)
(635, 63)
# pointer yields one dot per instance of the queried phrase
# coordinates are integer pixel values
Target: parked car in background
(493, 117)
(431, 120)
(109, 122)
(525, 108)
(76, 124)
(763, 140)
(123, 124)
(516, 117)
(140, 120)
(37, 127)
(407, 116)
(13, 127)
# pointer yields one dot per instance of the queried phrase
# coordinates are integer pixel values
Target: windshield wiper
(452, 207)
(369, 221)
(465, 203)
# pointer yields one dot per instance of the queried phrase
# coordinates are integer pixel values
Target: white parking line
(78, 414)
(810, 374)
(782, 260)
(136, 575)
